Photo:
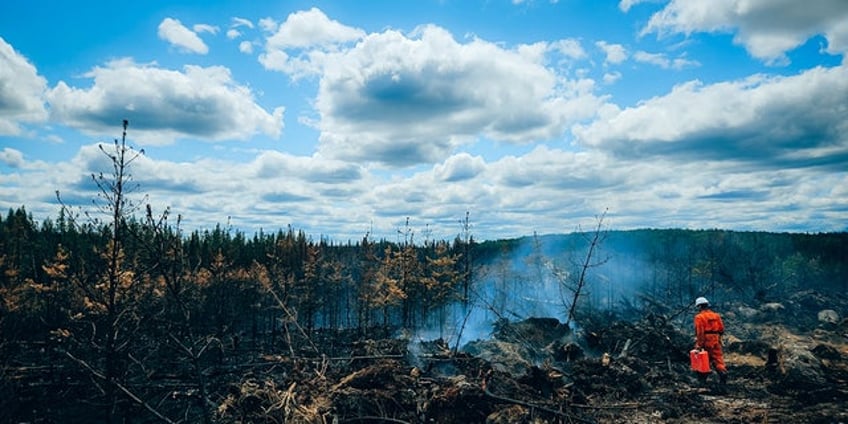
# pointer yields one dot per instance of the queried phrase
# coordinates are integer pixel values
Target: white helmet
(701, 301)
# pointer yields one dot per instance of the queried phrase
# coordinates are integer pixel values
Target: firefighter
(708, 331)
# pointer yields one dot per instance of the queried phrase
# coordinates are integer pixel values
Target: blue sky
(341, 118)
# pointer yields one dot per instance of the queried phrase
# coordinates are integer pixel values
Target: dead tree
(114, 293)
(595, 238)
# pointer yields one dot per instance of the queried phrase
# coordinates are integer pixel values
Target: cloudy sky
(341, 117)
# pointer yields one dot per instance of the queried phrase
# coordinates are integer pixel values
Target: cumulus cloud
(173, 31)
(272, 165)
(615, 53)
(559, 169)
(203, 103)
(569, 47)
(611, 77)
(316, 193)
(11, 157)
(202, 190)
(459, 167)
(547, 189)
(268, 24)
(400, 100)
(301, 44)
(21, 91)
(766, 28)
(793, 121)
(310, 28)
(246, 47)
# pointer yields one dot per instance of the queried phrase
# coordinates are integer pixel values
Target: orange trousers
(716, 356)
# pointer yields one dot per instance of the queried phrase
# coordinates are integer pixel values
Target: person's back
(708, 331)
(708, 327)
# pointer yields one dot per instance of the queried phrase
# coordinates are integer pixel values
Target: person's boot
(722, 386)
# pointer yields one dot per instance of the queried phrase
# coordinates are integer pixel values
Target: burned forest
(124, 317)
(217, 327)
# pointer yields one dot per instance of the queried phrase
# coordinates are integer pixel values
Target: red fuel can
(700, 360)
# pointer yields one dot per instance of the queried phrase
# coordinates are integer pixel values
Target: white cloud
(663, 61)
(21, 91)
(459, 167)
(307, 64)
(400, 100)
(203, 103)
(11, 157)
(316, 170)
(313, 192)
(773, 121)
(547, 189)
(311, 28)
(569, 47)
(241, 22)
(246, 47)
(625, 5)
(653, 58)
(233, 32)
(766, 28)
(533, 52)
(615, 53)
(612, 77)
(369, 92)
(172, 31)
(210, 29)
(268, 25)
(681, 63)
(299, 46)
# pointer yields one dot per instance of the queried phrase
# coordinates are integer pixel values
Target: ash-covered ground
(788, 362)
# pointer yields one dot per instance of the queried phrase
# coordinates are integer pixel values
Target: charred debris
(788, 363)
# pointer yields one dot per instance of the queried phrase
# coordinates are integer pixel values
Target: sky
(343, 118)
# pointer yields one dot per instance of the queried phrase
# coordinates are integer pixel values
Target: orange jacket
(708, 329)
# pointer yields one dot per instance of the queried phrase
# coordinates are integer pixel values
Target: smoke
(536, 278)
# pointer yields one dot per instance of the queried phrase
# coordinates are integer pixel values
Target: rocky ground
(788, 362)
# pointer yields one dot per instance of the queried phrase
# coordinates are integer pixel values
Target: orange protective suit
(708, 331)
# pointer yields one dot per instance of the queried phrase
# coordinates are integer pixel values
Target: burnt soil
(785, 365)
(783, 368)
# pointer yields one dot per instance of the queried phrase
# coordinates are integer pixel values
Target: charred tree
(114, 295)
(594, 239)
